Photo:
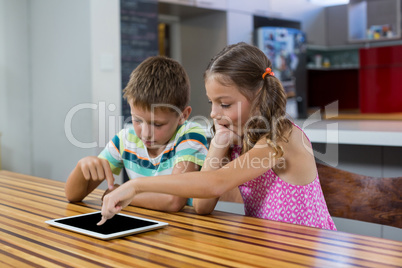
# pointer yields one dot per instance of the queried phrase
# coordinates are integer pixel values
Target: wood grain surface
(358, 197)
(190, 240)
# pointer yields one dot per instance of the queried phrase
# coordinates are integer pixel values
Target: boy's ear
(185, 114)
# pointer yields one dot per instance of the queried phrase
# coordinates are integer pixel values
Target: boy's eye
(158, 125)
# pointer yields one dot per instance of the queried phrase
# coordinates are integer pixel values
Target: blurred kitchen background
(64, 64)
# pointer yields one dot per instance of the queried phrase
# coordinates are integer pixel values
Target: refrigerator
(286, 49)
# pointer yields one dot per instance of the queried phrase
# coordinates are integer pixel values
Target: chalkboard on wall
(139, 38)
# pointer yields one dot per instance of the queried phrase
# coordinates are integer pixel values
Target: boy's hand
(108, 191)
(116, 200)
(94, 168)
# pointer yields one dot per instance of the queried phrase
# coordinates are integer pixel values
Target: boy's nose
(146, 131)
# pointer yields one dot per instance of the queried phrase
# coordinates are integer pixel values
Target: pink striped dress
(269, 197)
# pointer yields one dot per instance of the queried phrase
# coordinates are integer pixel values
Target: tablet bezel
(157, 225)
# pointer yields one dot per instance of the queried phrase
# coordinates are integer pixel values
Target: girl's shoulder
(298, 139)
(299, 167)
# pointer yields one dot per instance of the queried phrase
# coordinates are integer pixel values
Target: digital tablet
(118, 226)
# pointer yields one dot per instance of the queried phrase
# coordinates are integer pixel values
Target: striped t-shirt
(126, 150)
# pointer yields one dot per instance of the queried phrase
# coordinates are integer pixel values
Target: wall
(61, 78)
(54, 64)
(197, 52)
(15, 92)
(105, 70)
(337, 25)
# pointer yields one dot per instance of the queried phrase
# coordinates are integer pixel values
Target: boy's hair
(242, 65)
(159, 81)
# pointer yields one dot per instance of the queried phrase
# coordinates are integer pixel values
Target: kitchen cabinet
(333, 75)
(179, 2)
(337, 25)
(326, 86)
(374, 20)
(380, 79)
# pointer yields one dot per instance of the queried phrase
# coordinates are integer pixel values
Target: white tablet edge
(158, 225)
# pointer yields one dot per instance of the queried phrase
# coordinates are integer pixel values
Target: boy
(160, 142)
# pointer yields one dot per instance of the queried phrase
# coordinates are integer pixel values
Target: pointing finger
(108, 174)
(102, 221)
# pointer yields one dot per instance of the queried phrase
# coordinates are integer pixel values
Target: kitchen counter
(353, 132)
(356, 132)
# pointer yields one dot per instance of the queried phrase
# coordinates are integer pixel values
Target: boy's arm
(165, 202)
(86, 176)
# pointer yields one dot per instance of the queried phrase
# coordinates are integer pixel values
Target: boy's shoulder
(127, 133)
(191, 127)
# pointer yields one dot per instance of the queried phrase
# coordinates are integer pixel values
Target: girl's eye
(157, 125)
(224, 106)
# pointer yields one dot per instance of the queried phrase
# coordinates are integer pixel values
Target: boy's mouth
(148, 142)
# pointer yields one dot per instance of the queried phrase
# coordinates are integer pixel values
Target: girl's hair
(242, 65)
(161, 81)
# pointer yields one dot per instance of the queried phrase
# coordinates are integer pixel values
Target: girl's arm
(206, 184)
(163, 201)
(213, 161)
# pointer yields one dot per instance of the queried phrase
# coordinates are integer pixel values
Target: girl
(255, 147)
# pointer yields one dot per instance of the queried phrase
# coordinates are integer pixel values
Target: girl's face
(229, 108)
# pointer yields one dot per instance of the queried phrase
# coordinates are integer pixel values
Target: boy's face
(155, 128)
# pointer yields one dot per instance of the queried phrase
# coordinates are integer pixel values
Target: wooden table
(217, 240)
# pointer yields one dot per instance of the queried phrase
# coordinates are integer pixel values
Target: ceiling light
(329, 2)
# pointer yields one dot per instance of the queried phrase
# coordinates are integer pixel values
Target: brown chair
(353, 196)
(358, 197)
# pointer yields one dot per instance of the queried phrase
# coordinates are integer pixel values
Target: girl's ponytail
(271, 121)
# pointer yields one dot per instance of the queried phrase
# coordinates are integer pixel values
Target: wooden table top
(190, 240)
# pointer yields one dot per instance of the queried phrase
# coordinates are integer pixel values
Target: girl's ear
(185, 114)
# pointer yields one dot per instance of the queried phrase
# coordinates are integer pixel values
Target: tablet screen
(119, 225)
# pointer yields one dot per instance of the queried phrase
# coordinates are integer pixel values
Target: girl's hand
(96, 169)
(115, 201)
(224, 137)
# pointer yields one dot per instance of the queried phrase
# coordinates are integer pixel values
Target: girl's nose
(214, 113)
